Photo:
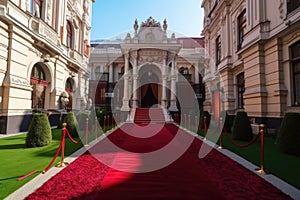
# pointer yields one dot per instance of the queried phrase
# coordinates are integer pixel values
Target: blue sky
(113, 17)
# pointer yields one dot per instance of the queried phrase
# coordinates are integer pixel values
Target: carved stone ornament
(150, 22)
(281, 9)
(165, 26)
(135, 26)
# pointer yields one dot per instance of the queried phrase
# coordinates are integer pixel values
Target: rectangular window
(292, 5)
(240, 90)
(241, 29)
(36, 8)
(218, 50)
(295, 63)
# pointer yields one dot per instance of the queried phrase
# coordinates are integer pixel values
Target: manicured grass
(282, 165)
(16, 160)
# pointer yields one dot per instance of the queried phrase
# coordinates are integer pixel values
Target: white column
(111, 73)
(173, 106)
(135, 82)
(196, 66)
(125, 106)
(164, 85)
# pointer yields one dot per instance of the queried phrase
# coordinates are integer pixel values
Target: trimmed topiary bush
(226, 125)
(288, 137)
(71, 121)
(39, 133)
(241, 128)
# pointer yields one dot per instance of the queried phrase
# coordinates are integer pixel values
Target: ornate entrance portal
(150, 90)
(149, 95)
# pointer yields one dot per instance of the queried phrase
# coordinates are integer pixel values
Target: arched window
(39, 84)
(295, 65)
(69, 35)
(185, 73)
(38, 73)
(69, 87)
(184, 70)
(121, 73)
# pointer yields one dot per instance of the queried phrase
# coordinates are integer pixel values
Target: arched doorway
(150, 90)
(39, 84)
(149, 94)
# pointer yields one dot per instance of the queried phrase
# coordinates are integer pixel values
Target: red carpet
(213, 177)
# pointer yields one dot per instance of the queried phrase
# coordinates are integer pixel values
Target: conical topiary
(71, 121)
(39, 133)
(241, 128)
(226, 124)
(288, 138)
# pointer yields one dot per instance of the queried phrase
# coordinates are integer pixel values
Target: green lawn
(284, 166)
(16, 160)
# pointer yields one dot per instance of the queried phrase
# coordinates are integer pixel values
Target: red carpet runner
(213, 177)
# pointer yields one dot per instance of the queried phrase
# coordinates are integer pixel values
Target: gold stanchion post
(62, 163)
(262, 151)
(196, 124)
(86, 132)
(221, 134)
(96, 127)
(104, 123)
(205, 128)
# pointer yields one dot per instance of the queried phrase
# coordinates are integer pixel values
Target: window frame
(295, 60)
(241, 27)
(69, 38)
(240, 87)
(292, 5)
(218, 50)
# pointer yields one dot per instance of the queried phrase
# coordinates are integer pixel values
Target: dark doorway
(149, 95)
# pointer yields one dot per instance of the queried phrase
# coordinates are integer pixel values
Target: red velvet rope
(56, 154)
(74, 141)
(239, 145)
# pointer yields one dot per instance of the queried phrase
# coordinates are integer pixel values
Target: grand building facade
(141, 69)
(43, 59)
(254, 46)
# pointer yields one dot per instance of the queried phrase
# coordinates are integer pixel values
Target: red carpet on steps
(213, 177)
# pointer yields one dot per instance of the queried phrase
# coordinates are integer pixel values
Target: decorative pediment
(150, 22)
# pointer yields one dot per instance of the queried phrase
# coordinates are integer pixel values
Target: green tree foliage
(39, 133)
(288, 137)
(241, 128)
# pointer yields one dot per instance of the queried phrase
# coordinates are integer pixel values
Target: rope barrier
(69, 136)
(241, 145)
(62, 148)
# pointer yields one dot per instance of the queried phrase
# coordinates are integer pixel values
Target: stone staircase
(149, 115)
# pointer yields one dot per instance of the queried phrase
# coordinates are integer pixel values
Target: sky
(110, 18)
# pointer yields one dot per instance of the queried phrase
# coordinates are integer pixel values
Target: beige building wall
(30, 38)
(270, 29)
